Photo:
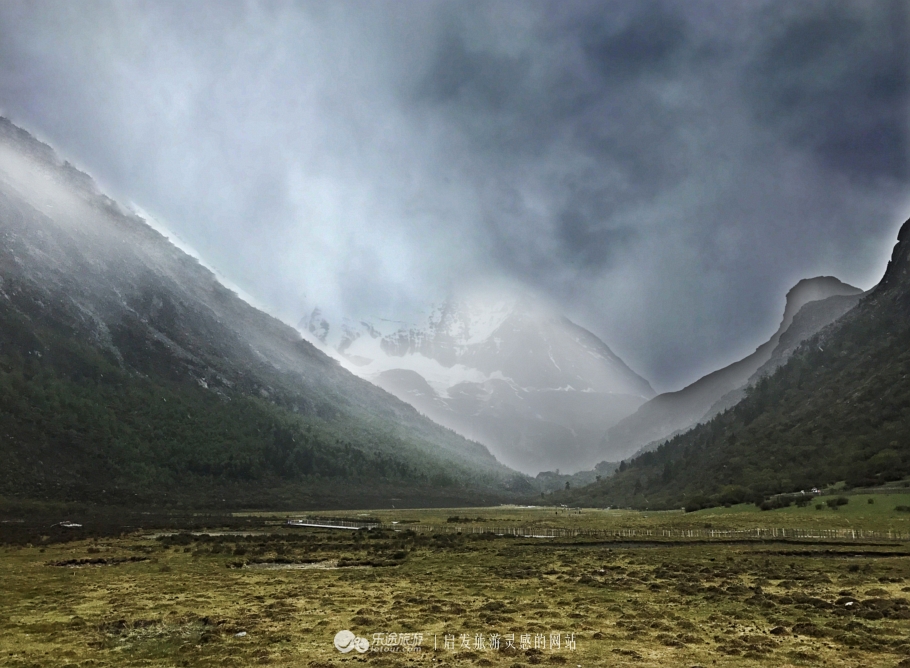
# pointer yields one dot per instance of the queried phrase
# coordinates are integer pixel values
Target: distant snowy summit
(510, 372)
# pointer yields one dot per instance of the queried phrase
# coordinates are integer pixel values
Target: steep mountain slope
(811, 318)
(837, 409)
(128, 373)
(673, 412)
(510, 372)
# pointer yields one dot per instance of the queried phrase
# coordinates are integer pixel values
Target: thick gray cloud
(666, 171)
(838, 86)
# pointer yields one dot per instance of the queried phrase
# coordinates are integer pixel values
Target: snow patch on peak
(374, 361)
(480, 321)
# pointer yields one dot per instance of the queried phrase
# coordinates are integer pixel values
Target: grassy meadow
(261, 593)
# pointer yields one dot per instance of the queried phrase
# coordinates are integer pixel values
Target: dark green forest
(77, 426)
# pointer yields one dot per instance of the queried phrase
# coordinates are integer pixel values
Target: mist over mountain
(811, 304)
(506, 370)
(835, 407)
(129, 374)
(811, 318)
(664, 171)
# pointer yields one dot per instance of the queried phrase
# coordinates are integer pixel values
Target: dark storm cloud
(838, 84)
(576, 87)
(651, 42)
(664, 170)
(478, 80)
(588, 241)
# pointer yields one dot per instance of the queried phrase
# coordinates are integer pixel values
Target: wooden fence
(758, 533)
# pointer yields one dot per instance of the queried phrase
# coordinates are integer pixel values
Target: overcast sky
(664, 171)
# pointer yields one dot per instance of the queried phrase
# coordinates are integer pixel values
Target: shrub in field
(833, 504)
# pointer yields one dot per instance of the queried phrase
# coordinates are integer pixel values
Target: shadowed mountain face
(837, 407)
(128, 372)
(810, 319)
(509, 372)
(811, 304)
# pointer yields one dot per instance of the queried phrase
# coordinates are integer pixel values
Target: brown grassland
(268, 594)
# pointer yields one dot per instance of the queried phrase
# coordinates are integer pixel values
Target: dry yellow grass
(182, 600)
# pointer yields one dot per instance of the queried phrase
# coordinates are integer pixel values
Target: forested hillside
(130, 375)
(839, 409)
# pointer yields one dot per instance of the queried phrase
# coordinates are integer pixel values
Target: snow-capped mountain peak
(508, 371)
